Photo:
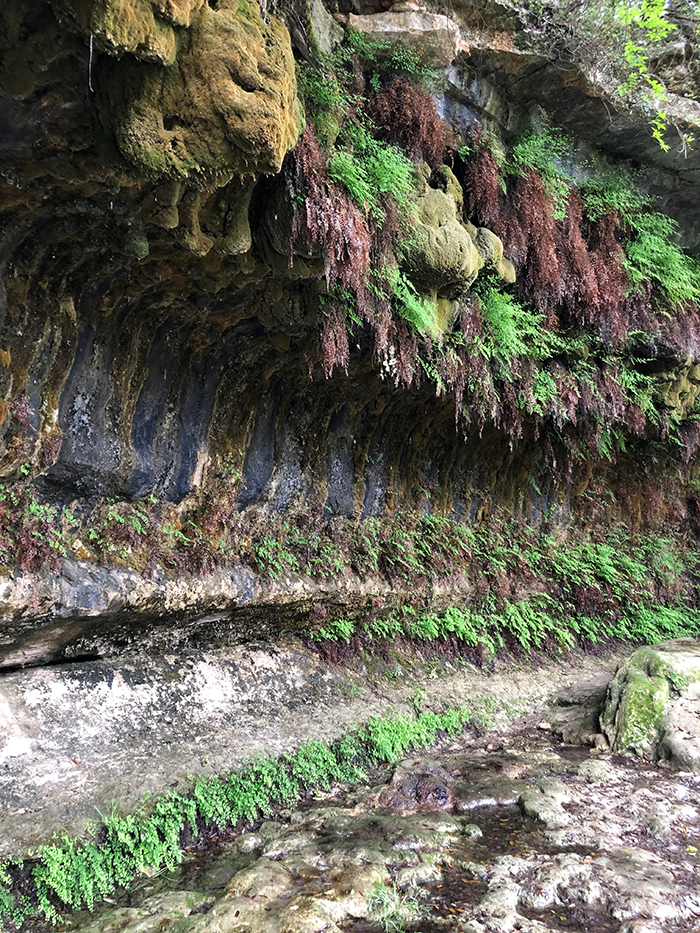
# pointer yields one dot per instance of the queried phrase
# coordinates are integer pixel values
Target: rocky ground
(513, 829)
(96, 735)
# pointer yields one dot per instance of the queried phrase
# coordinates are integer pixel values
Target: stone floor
(88, 736)
(509, 830)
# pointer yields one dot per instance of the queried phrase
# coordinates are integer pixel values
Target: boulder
(443, 255)
(418, 784)
(576, 717)
(440, 256)
(652, 706)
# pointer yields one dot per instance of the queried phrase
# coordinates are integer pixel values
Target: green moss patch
(641, 691)
(641, 711)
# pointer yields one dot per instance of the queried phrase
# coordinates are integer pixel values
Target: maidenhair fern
(619, 586)
(512, 331)
(420, 311)
(547, 153)
(386, 56)
(651, 253)
(563, 354)
(346, 169)
(545, 392)
(612, 189)
(369, 169)
(651, 250)
(76, 873)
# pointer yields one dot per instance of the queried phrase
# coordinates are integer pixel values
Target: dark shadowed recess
(150, 399)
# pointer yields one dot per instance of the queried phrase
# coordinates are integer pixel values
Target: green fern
(651, 253)
(611, 189)
(513, 332)
(548, 153)
(369, 168)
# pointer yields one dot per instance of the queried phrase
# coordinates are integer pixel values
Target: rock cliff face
(171, 354)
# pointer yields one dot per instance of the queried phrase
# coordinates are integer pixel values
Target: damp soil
(506, 831)
(572, 916)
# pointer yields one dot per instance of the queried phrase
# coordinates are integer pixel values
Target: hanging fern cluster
(353, 178)
(601, 284)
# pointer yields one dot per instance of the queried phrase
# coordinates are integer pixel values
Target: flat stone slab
(75, 738)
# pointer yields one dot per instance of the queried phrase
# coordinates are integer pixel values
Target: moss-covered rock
(677, 386)
(639, 702)
(440, 256)
(140, 27)
(227, 105)
(490, 248)
(443, 255)
(642, 698)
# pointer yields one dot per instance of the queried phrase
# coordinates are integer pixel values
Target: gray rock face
(327, 32)
(433, 36)
(75, 738)
(84, 611)
(652, 705)
(177, 355)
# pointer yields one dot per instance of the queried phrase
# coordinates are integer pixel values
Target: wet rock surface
(508, 831)
(85, 737)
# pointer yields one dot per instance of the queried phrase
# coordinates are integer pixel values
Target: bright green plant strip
(531, 624)
(592, 592)
(75, 873)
